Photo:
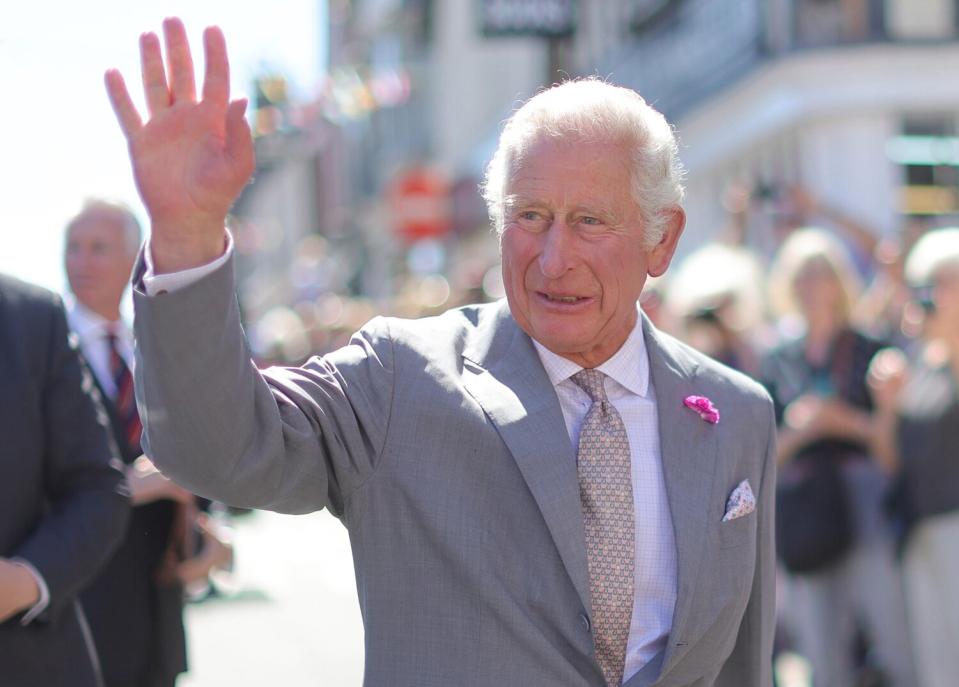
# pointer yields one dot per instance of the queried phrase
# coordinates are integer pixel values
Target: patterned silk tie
(606, 493)
(124, 400)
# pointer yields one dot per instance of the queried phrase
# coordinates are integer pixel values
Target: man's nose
(76, 261)
(558, 252)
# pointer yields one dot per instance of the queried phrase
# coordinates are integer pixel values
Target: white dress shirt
(91, 330)
(172, 281)
(630, 390)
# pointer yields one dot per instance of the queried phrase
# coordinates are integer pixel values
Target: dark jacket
(145, 643)
(63, 502)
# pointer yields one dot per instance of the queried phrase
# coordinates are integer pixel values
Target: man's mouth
(562, 298)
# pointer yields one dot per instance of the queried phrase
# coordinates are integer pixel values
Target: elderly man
(538, 491)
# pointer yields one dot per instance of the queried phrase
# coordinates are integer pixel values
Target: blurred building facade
(853, 99)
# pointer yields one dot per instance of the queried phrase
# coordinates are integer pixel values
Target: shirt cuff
(41, 605)
(154, 284)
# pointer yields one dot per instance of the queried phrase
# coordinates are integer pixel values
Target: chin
(560, 344)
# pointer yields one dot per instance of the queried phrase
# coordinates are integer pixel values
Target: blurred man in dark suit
(135, 605)
(63, 503)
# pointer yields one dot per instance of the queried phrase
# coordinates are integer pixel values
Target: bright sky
(61, 143)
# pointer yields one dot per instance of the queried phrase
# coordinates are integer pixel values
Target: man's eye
(532, 220)
(591, 224)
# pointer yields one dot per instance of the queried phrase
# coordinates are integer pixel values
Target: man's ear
(661, 254)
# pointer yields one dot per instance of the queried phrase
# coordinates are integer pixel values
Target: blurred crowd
(856, 338)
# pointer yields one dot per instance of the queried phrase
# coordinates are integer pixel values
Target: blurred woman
(917, 438)
(848, 580)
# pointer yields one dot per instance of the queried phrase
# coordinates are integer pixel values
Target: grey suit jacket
(441, 445)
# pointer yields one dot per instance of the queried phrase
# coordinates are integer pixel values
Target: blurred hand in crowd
(149, 484)
(814, 417)
(887, 374)
(215, 552)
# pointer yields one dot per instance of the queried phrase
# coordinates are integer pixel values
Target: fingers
(164, 87)
(144, 464)
(154, 80)
(205, 525)
(181, 495)
(123, 108)
(217, 547)
(888, 363)
(179, 61)
(216, 81)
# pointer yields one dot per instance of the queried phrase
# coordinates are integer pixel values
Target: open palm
(192, 157)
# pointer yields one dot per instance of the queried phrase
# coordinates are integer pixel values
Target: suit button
(584, 621)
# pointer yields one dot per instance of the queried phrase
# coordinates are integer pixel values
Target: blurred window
(829, 22)
(927, 151)
(645, 13)
(920, 19)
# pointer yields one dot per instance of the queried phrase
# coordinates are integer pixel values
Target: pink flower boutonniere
(704, 407)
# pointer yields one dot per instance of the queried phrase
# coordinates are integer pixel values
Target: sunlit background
(62, 143)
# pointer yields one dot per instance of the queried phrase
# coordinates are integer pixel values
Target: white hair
(935, 251)
(591, 110)
(802, 247)
(132, 233)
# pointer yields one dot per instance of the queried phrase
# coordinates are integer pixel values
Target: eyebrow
(602, 210)
(514, 200)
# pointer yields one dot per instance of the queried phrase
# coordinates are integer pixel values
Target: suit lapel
(688, 449)
(504, 374)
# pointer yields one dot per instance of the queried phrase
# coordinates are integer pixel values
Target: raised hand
(192, 158)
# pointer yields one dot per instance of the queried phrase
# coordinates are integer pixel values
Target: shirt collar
(629, 366)
(89, 326)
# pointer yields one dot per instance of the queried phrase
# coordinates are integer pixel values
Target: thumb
(239, 139)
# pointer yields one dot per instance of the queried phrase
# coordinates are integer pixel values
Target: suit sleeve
(750, 664)
(292, 440)
(87, 502)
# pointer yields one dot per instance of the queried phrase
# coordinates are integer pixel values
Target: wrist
(23, 588)
(171, 251)
(865, 428)
(883, 417)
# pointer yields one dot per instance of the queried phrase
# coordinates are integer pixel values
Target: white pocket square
(741, 502)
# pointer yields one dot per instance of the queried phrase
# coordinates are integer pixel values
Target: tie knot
(111, 332)
(592, 382)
